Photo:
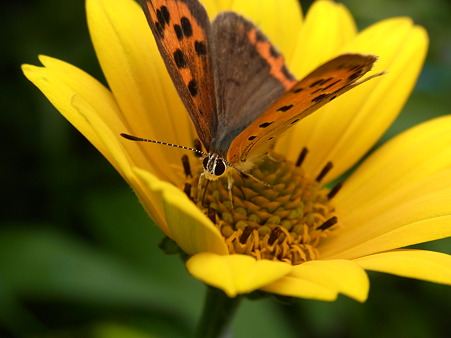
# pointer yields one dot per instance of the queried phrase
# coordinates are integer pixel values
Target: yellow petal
(324, 280)
(421, 219)
(86, 103)
(409, 158)
(190, 228)
(425, 265)
(399, 196)
(327, 27)
(345, 129)
(120, 155)
(300, 288)
(90, 107)
(139, 81)
(214, 7)
(186, 224)
(235, 274)
(149, 190)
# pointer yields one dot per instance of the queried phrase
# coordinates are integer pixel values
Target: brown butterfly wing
(251, 75)
(311, 93)
(182, 31)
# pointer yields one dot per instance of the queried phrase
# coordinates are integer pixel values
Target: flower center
(284, 222)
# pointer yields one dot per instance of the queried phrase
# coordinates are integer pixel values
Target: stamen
(187, 189)
(324, 172)
(301, 157)
(327, 224)
(245, 235)
(186, 166)
(336, 188)
(275, 234)
(285, 222)
(211, 213)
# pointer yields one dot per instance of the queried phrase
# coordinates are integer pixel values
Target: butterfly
(235, 85)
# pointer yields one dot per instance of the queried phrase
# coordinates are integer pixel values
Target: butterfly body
(234, 83)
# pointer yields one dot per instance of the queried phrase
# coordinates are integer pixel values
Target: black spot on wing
(286, 72)
(285, 108)
(165, 14)
(294, 121)
(320, 89)
(320, 82)
(266, 124)
(316, 83)
(250, 138)
(178, 32)
(331, 84)
(273, 52)
(319, 98)
(326, 80)
(354, 76)
(356, 67)
(160, 18)
(298, 90)
(260, 37)
(160, 28)
(200, 48)
(179, 58)
(186, 27)
(192, 87)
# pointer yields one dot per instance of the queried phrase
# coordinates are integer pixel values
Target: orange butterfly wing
(309, 94)
(182, 31)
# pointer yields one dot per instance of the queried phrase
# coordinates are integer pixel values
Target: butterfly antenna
(140, 139)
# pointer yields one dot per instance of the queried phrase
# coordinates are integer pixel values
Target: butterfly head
(214, 167)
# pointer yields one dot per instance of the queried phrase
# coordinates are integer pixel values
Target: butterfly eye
(219, 168)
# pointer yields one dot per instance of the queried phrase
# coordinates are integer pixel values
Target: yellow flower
(398, 197)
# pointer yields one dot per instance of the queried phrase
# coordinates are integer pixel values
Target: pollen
(283, 222)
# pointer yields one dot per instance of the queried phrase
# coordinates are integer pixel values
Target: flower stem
(217, 314)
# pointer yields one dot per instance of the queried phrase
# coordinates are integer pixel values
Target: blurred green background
(78, 255)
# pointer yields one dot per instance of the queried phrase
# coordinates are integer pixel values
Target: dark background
(78, 255)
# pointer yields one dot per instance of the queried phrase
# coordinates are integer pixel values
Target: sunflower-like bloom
(298, 239)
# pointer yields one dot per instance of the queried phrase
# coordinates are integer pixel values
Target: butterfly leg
(202, 189)
(273, 158)
(229, 188)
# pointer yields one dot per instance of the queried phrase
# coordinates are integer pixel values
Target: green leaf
(44, 263)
